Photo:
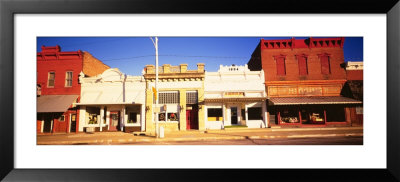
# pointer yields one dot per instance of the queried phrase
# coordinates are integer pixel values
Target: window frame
(48, 79)
(220, 118)
(166, 99)
(299, 63)
(251, 117)
(66, 78)
(328, 60)
(63, 118)
(279, 67)
(129, 117)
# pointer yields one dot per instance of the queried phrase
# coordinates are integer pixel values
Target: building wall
(233, 82)
(115, 91)
(174, 78)
(299, 47)
(59, 62)
(294, 84)
(92, 66)
(52, 59)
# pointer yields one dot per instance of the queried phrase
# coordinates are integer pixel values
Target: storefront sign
(304, 90)
(234, 94)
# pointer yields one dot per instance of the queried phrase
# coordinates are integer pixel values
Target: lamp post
(155, 42)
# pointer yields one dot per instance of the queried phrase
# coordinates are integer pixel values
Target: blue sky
(131, 54)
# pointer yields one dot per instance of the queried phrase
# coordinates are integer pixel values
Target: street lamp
(155, 43)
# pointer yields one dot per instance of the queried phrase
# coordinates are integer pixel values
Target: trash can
(161, 132)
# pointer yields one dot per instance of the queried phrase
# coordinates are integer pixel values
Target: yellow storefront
(180, 95)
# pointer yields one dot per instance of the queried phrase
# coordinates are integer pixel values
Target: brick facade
(92, 66)
(51, 60)
(312, 67)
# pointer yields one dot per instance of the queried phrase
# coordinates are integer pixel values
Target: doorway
(234, 116)
(192, 118)
(73, 123)
(48, 120)
(114, 120)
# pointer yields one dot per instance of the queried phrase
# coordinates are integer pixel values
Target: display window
(289, 116)
(312, 115)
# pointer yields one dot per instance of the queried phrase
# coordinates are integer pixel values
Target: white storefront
(112, 101)
(235, 96)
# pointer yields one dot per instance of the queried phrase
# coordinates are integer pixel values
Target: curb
(127, 141)
(282, 129)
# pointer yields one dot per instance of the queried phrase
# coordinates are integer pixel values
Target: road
(356, 140)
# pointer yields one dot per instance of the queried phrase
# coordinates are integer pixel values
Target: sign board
(234, 94)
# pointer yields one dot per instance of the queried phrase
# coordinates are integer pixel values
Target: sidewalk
(106, 138)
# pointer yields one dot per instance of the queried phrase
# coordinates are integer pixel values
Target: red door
(114, 120)
(191, 119)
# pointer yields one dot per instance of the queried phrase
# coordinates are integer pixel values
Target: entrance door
(114, 120)
(73, 122)
(47, 123)
(234, 116)
(191, 119)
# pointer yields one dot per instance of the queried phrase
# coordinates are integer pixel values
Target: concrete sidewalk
(105, 138)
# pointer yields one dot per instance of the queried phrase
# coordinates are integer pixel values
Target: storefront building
(112, 101)
(304, 79)
(353, 88)
(180, 95)
(58, 89)
(235, 96)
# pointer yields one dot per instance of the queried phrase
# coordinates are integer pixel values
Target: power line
(216, 57)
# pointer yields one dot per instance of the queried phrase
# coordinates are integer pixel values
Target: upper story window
(191, 97)
(51, 79)
(303, 65)
(170, 97)
(280, 65)
(68, 79)
(325, 63)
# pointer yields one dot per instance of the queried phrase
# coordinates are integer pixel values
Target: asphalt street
(357, 140)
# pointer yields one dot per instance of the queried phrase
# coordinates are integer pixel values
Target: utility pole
(155, 42)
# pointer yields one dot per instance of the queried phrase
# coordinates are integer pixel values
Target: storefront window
(161, 117)
(93, 114)
(132, 117)
(214, 114)
(289, 116)
(93, 118)
(254, 113)
(314, 115)
(172, 117)
(335, 114)
(61, 118)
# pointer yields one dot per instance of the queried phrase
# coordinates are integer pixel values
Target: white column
(142, 118)
(264, 113)
(122, 118)
(108, 118)
(223, 114)
(82, 117)
(246, 113)
(101, 117)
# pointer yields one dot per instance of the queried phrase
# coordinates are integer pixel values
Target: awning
(312, 100)
(55, 103)
(239, 99)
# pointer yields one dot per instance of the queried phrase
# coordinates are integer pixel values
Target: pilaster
(182, 108)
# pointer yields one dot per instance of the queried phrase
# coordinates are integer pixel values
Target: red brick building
(58, 87)
(304, 79)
